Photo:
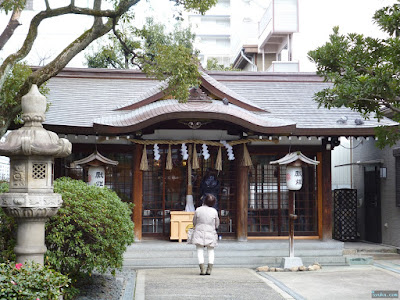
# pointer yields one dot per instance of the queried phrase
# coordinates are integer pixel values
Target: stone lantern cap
(32, 138)
(295, 158)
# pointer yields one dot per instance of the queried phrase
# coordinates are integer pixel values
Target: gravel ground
(103, 287)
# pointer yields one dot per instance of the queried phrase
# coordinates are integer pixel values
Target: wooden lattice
(345, 214)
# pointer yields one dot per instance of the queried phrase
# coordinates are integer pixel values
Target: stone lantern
(30, 199)
(294, 181)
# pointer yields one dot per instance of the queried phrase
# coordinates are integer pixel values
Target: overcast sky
(316, 19)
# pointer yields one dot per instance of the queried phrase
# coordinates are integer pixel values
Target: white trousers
(200, 254)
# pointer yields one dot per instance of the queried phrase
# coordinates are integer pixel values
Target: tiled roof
(241, 99)
(155, 93)
(294, 100)
(171, 109)
(90, 97)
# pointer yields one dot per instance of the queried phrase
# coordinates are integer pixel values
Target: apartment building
(248, 34)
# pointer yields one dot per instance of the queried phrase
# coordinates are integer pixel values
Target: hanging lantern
(294, 177)
(96, 176)
(294, 173)
(95, 164)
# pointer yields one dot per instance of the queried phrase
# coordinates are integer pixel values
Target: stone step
(251, 254)
(249, 262)
(231, 253)
(242, 246)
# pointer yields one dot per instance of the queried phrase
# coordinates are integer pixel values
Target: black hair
(210, 200)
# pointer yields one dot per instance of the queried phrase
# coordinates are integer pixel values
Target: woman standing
(206, 223)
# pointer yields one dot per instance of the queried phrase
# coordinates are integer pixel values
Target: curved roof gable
(216, 88)
(171, 109)
(222, 91)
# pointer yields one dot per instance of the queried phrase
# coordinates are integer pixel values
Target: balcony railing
(266, 19)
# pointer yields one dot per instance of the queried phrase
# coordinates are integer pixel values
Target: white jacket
(206, 222)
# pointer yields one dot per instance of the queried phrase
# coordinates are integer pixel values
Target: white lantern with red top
(294, 173)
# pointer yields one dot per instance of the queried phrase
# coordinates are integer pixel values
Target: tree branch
(13, 23)
(54, 67)
(49, 13)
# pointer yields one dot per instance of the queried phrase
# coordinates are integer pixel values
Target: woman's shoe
(202, 269)
(209, 269)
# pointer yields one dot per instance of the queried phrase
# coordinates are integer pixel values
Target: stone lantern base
(30, 240)
(31, 212)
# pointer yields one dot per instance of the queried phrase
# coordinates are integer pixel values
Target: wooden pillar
(242, 200)
(292, 217)
(327, 202)
(137, 193)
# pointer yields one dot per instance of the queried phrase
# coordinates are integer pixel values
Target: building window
(268, 200)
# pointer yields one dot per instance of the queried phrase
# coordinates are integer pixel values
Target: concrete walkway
(331, 282)
(186, 283)
(344, 282)
(348, 282)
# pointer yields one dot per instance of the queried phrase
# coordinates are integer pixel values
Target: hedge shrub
(90, 232)
(8, 231)
(30, 281)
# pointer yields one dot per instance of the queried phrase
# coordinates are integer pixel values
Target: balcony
(284, 66)
(279, 20)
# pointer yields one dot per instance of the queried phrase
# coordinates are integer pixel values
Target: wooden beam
(327, 202)
(319, 198)
(137, 191)
(242, 199)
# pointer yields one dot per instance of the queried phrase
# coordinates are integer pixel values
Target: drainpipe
(245, 57)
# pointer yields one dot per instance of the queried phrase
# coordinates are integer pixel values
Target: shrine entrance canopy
(210, 106)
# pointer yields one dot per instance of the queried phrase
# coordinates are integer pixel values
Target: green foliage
(90, 232)
(111, 53)
(10, 5)
(165, 56)
(212, 64)
(365, 72)
(388, 19)
(199, 5)
(8, 228)
(12, 84)
(30, 281)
